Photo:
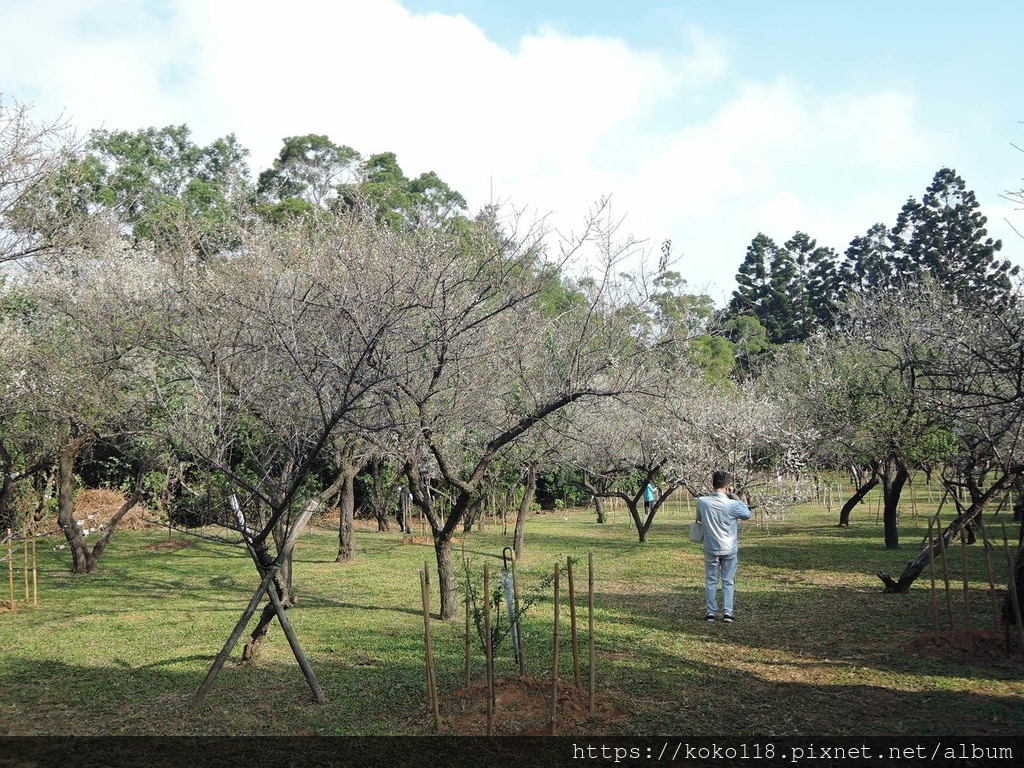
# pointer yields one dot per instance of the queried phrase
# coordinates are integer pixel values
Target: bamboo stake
(988, 571)
(10, 569)
(554, 666)
(1011, 587)
(469, 662)
(35, 575)
(590, 605)
(572, 624)
(24, 568)
(489, 651)
(967, 598)
(428, 650)
(519, 626)
(931, 571)
(945, 573)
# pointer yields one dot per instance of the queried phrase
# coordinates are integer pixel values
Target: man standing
(719, 513)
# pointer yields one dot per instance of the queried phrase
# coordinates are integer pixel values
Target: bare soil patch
(522, 707)
(975, 645)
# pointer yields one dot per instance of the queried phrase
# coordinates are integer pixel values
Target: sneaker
(728, 619)
(709, 617)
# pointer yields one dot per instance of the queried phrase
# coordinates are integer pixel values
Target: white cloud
(688, 148)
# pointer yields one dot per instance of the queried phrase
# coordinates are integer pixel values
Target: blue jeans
(724, 567)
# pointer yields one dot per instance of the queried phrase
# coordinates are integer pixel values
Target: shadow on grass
(710, 698)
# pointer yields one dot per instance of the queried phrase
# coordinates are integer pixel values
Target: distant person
(404, 508)
(720, 514)
(650, 493)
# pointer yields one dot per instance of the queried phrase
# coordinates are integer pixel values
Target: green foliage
(310, 169)
(156, 178)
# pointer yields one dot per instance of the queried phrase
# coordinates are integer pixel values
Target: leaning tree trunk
(949, 536)
(853, 501)
(518, 535)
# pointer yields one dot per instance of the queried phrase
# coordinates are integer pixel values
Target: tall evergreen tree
(817, 295)
(868, 263)
(944, 237)
(752, 281)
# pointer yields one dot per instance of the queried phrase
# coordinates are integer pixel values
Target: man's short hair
(720, 478)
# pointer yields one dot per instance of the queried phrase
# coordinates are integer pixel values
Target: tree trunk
(917, 566)
(599, 507)
(1009, 615)
(893, 481)
(524, 509)
(853, 501)
(264, 562)
(449, 608)
(346, 524)
(66, 501)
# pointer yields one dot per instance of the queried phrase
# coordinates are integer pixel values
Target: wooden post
(35, 574)
(489, 651)
(10, 568)
(469, 658)
(967, 597)
(428, 650)
(931, 570)
(554, 665)
(24, 568)
(590, 605)
(945, 573)
(232, 640)
(988, 571)
(519, 626)
(572, 625)
(1011, 587)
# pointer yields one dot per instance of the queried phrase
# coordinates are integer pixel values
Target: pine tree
(944, 237)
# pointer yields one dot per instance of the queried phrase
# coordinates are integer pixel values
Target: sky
(704, 122)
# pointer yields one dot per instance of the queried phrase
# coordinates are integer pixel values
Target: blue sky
(706, 122)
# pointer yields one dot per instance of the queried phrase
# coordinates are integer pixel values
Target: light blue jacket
(719, 515)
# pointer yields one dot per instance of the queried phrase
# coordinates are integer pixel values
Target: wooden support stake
(489, 651)
(988, 571)
(572, 625)
(35, 574)
(24, 568)
(590, 608)
(218, 662)
(931, 571)
(554, 666)
(519, 626)
(10, 569)
(428, 651)
(945, 573)
(1011, 587)
(293, 642)
(469, 658)
(967, 597)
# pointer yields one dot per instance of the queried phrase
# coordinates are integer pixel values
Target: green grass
(817, 648)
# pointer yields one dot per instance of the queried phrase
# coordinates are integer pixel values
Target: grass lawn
(817, 647)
